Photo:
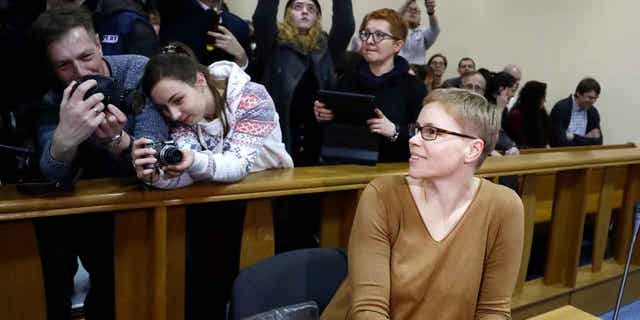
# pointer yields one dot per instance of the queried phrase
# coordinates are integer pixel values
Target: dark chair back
(286, 279)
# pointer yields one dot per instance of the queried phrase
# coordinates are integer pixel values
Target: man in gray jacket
(86, 138)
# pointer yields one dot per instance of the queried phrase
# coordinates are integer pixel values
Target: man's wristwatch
(395, 135)
(115, 140)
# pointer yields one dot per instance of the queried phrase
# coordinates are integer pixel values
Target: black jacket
(560, 119)
(186, 21)
(124, 28)
(284, 65)
(399, 96)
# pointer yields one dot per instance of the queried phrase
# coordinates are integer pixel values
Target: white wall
(555, 41)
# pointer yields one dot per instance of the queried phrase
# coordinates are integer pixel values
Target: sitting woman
(385, 75)
(500, 89)
(225, 125)
(438, 243)
(529, 123)
(439, 64)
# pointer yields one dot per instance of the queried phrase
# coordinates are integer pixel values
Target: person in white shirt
(420, 38)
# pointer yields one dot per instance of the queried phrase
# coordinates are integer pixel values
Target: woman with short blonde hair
(438, 243)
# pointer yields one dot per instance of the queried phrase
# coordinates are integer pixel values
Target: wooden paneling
(596, 292)
(142, 263)
(564, 313)
(149, 251)
(601, 230)
(566, 228)
(21, 283)
(529, 202)
(133, 268)
(625, 219)
(175, 262)
(338, 210)
(257, 233)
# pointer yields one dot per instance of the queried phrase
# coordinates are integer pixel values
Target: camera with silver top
(167, 152)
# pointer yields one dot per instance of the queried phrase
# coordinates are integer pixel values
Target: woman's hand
(176, 170)
(321, 112)
(144, 161)
(381, 125)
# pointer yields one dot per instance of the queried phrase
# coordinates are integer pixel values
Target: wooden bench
(149, 232)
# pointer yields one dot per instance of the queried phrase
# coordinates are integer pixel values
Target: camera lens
(170, 155)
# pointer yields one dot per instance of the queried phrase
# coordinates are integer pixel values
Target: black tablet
(348, 107)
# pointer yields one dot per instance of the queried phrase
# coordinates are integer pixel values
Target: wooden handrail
(579, 148)
(102, 195)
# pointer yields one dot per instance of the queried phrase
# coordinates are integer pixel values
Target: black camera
(167, 152)
(130, 102)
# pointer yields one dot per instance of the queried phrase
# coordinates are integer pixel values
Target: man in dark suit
(575, 121)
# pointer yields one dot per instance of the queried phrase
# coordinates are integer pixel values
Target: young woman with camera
(225, 125)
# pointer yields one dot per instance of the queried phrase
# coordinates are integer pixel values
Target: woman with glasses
(385, 75)
(297, 58)
(438, 243)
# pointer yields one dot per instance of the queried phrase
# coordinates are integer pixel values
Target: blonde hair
(289, 33)
(476, 116)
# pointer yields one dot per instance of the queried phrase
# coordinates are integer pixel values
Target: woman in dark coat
(385, 75)
(297, 58)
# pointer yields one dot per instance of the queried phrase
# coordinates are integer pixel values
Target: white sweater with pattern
(253, 143)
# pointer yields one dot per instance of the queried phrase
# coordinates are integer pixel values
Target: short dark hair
(588, 84)
(466, 59)
(53, 24)
(438, 55)
(496, 81)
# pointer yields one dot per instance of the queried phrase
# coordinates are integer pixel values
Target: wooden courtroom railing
(149, 253)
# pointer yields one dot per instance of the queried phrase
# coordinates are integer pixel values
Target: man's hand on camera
(79, 118)
(144, 161)
(111, 131)
(184, 165)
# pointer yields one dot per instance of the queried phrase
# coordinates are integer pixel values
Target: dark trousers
(296, 222)
(214, 234)
(61, 241)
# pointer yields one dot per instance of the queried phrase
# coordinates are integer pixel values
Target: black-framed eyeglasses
(377, 36)
(430, 133)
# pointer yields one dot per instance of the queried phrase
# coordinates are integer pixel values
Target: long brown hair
(289, 33)
(183, 68)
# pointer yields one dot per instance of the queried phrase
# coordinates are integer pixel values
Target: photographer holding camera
(84, 135)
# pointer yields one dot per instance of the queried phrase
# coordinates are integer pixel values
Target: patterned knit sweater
(253, 143)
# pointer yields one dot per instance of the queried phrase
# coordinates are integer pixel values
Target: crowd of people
(238, 96)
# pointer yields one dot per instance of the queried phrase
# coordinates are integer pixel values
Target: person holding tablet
(384, 74)
(438, 243)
